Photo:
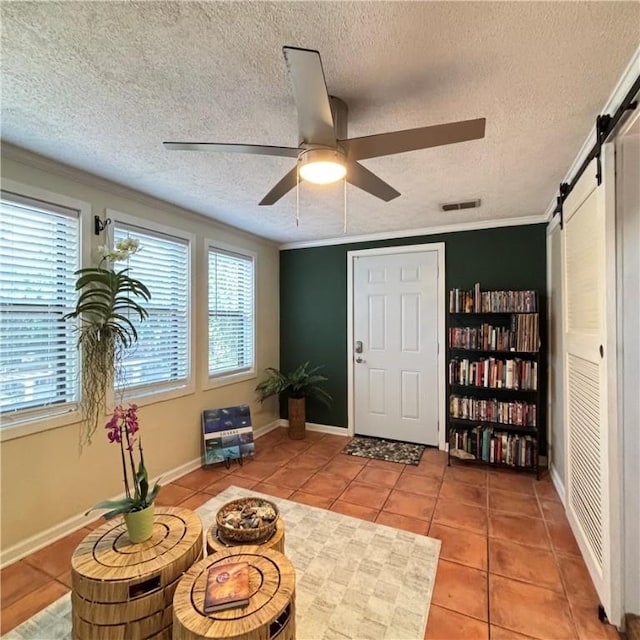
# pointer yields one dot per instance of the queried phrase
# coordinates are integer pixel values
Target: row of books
(522, 414)
(494, 374)
(488, 445)
(522, 335)
(476, 301)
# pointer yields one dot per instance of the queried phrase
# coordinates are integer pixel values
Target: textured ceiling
(99, 85)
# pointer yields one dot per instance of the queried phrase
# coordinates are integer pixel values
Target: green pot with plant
(105, 308)
(298, 385)
(137, 506)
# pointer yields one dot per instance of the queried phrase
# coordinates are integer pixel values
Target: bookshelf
(493, 378)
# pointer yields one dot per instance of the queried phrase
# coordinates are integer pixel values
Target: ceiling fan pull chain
(345, 207)
(297, 199)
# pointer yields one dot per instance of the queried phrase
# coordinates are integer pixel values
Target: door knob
(359, 360)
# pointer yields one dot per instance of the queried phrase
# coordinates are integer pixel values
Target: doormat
(355, 579)
(381, 449)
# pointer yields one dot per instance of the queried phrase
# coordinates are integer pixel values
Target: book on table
(227, 587)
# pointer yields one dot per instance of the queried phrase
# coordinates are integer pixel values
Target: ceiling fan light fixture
(322, 166)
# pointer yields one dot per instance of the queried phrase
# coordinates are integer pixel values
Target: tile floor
(509, 567)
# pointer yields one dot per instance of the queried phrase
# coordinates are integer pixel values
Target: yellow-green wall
(45, 479)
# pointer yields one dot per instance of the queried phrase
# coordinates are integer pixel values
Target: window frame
(159, 392)
(233, 377)
(31, 421)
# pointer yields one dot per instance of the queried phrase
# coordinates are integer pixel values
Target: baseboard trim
(262, 431)
(38, 541)
(557, 483)
(321, 428)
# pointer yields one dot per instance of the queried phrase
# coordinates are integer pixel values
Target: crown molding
(412, 233)
(49, 165)
(623, 86)
(553, 223)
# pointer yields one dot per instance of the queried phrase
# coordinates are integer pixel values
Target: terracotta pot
(140, 524)
(297, 418)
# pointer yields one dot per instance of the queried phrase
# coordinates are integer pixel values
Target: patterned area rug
(354, 579)
(381, 449)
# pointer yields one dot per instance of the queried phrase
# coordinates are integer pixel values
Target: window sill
(231, 378)
(144, 397)
(22, 427)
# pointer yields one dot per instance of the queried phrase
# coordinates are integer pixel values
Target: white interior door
(588, 353)
(395, 345)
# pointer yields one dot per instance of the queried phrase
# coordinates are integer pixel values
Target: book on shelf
(476, 301)
(494, 373)
(521, 335)
(493, 446)
(510, 412)
(227, 587)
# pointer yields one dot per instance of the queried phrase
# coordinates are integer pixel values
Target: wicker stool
(269, 614)
(122, 590)
(215, 543)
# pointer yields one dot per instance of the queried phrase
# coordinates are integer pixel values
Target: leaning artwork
(228, 434)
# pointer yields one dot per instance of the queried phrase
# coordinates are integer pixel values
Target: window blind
(39, 252)
(231, 312)
(161, 355)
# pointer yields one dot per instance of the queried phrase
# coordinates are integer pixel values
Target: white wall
(628, 258)
(46, 480)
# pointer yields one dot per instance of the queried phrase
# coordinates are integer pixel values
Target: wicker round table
(215, 543)
(122, 590)
(269, 614)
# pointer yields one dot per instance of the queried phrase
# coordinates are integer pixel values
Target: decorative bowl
(247, 520)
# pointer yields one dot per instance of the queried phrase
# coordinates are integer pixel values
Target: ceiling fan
(325, 154)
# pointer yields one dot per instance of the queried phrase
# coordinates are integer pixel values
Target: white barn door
(589, 359)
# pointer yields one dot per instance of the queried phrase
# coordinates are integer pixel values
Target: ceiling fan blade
(386, 144)
(283, 187)
(315, 121)
(364, 179)
(256, 149)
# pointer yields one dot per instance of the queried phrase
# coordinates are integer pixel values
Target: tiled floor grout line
(436, 484)
(559, 568)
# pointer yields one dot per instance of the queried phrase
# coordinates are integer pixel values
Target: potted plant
(297, 385)
(105, 307)
(137, 506)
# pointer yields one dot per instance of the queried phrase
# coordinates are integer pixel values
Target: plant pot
(140, 524)
(297, 418)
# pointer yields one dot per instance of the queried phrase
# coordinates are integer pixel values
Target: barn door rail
(605, 126)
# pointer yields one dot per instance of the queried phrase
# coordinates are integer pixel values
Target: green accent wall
(313, 296)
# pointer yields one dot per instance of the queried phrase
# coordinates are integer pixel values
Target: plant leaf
(122, 503)
(142, 481)
(153, 493)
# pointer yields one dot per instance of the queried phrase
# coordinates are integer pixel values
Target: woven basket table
(269, 614)
(215, 543)
(124, 591)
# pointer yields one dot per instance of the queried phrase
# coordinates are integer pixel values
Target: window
(39, 361)
(231, 312)
(159, 361)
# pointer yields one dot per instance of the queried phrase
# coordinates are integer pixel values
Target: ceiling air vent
(455, 206)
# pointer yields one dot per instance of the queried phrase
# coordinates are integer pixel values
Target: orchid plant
(122, 429)
(106, 308)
